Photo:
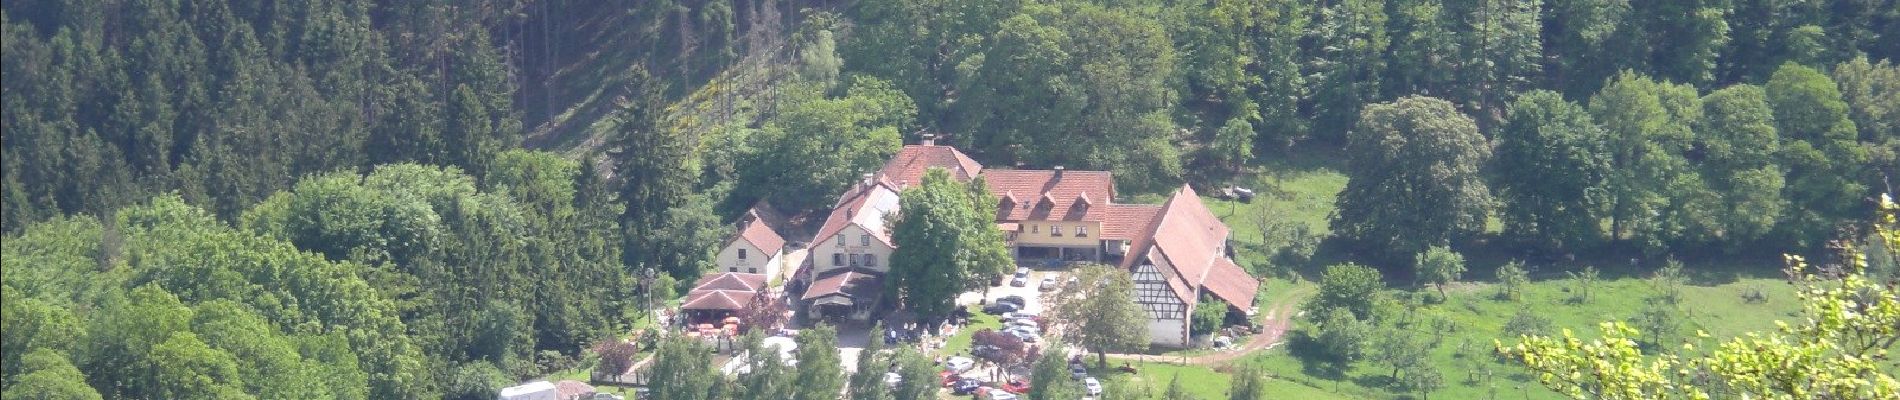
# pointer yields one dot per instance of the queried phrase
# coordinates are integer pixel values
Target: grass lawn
(1299, 190)
(960, 342)
(1463, 356)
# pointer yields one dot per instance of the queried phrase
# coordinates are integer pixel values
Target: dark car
(1077, 373)
(965, 386)
(1017, 300)
(998, 308)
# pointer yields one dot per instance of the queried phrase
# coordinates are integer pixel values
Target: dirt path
(1279, 318)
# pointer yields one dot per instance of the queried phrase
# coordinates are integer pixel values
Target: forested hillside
(328, 198)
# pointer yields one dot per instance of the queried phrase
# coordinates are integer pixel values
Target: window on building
(1082, 231)
(855, 261)
(752, 270)
(742, 254)
(1033, 228)
(732, 269)
(837, 259)
(864, 240)
(1055, 230)
(870, 260)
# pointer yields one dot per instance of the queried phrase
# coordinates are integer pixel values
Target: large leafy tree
(945, 244)
(815, 146)
(1552, 170)
(1098, 313)
(1819, 151)
(1739, 144)
(49, 375)
(1653, 185)
(1077, 85)
(682, 370)
(1414, 178)
(820, 373)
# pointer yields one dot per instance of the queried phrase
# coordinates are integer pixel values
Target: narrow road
(1279, 318)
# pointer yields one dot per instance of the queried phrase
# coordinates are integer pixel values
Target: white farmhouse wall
(1168, 332)
(823, 253)
(755, 262)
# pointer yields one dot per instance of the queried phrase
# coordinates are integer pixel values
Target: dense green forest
(327, 199)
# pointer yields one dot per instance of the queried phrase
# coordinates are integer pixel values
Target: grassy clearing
(960, 342)
(1464, 354)
(1299, 190)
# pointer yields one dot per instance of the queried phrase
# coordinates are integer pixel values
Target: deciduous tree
(1414, 178)
(1553, 167)
(1097, 311)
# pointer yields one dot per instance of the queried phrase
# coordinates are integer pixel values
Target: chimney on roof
(930, 139)
(867, 179)
(1058, 169)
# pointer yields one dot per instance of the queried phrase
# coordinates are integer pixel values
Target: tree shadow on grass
(1313, 362)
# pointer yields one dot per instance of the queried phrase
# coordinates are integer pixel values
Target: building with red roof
(756, 247)
(1178, 251)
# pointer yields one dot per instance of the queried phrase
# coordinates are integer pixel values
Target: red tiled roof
(1056, 193)
(1232, 284)
(724, 292)
(731, 281)
(1190, 237)
(908, 166)
(759, 226)
(1128, 221)
(717, 300)
(854, 206)
(850, 282)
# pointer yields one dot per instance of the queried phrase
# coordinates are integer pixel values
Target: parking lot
(1029, 292)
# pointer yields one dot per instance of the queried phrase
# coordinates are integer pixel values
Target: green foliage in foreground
(1851, 324)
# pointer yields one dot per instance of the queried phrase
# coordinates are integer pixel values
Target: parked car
(1022, 321)
(1022, 271)
(1048, 284)
(1094, 386)
(1019, 281)
(965, 386)
(1001, 395)
(1019, 301)
(1032, 329)
(958, 364)
(1026, 336)
(1024, 315)
(946, 378)
(1017, 386)
(999, 308)
(1076, 372)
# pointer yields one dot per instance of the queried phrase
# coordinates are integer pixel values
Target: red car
(947, 378)
(1017, 386)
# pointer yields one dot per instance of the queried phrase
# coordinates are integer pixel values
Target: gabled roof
(759, 226)
(724, 292)
(1191, 238)
(731, 281)
(909, 165)
(1055, 192)
(849, 282)
(865, 206)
